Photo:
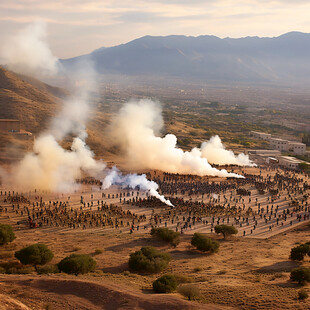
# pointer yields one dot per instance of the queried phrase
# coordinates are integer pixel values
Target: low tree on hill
(167, 235)
(226, 230)
(77, 264)
(149, 260)
(300, 251)
(6, 234)
(165, 284)
(300, 275)
(36, 254)
(204, 244)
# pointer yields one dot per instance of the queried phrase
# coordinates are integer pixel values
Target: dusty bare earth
(250, 272)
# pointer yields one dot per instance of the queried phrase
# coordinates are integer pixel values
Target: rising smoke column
(135, 128)
(214, 151)
(115, 177)
(28, 52)
(49, 166)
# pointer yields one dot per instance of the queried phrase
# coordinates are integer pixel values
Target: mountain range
(282, 59)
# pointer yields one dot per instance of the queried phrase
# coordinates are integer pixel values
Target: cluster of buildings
(274, 155)
(281, 145)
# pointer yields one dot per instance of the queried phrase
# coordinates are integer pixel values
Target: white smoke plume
(135, 128)
(28, 52)
(214, 151)
(49, 166)
(115, 177)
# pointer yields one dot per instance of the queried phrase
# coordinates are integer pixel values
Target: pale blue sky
(79, 26)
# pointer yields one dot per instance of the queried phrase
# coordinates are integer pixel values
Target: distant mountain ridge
(285, 58)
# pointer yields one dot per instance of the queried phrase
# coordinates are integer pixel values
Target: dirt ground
(246, 273)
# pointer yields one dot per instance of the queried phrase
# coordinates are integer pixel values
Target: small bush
(36, 254)
(148, 260)
(191, 292)
(2, 270)
(77, 264)
(6, 234)
(197, 269)
(299, 252)
(204, 244)
(183, 278)
(300, 275)
(302, 294)
(98, 251)
(167, 235)
(226, 230)
(48, 269)
(165, 284)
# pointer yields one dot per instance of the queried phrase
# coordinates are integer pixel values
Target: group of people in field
(263, 201)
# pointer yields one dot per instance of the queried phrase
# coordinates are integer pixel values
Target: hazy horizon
(78, 27)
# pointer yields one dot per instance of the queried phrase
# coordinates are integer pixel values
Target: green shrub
(165, 284)
(301, 275)
(302, 294)
(167, 235)
(181, 278)
(2, 270)
(36, 254)
(6, 234)
(204, 244)
(191, 292)
(226, 230)
(98, 251)
(48, 269)
(299, 252)
(77, 264)
(148, 260)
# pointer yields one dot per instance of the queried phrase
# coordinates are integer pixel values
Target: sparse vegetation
(77, 264)
(300, 275)
(48, 269)
(299, 252)
(149, 260)
(302, 294)
(6, 234)
(166, 235)
(165, 284)
(226, 230)
(190, 291)
(98, 251)
(204, 244)
(36, 254)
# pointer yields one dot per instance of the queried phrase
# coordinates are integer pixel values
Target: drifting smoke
(49, 166)
(214, 151)
(135, 128)
(28, 52)
(115, 177)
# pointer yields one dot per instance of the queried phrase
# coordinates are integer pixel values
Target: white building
(279, 144)
(260, 135)
(297, 148)
(289, 162)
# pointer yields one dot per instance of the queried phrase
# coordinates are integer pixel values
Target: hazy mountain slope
(280, 59)
(32, 103)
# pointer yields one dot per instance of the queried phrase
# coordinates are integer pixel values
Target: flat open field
(248, 272)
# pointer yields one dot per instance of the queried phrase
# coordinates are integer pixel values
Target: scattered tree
(167, 235)
(302, 294)
(299, 252)
(301, 275)
(148, 259)
(6, 234)
(77, 264)
(36, 254)
(204, 244)
(226, 230)
(190, 291)
(165, 284)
